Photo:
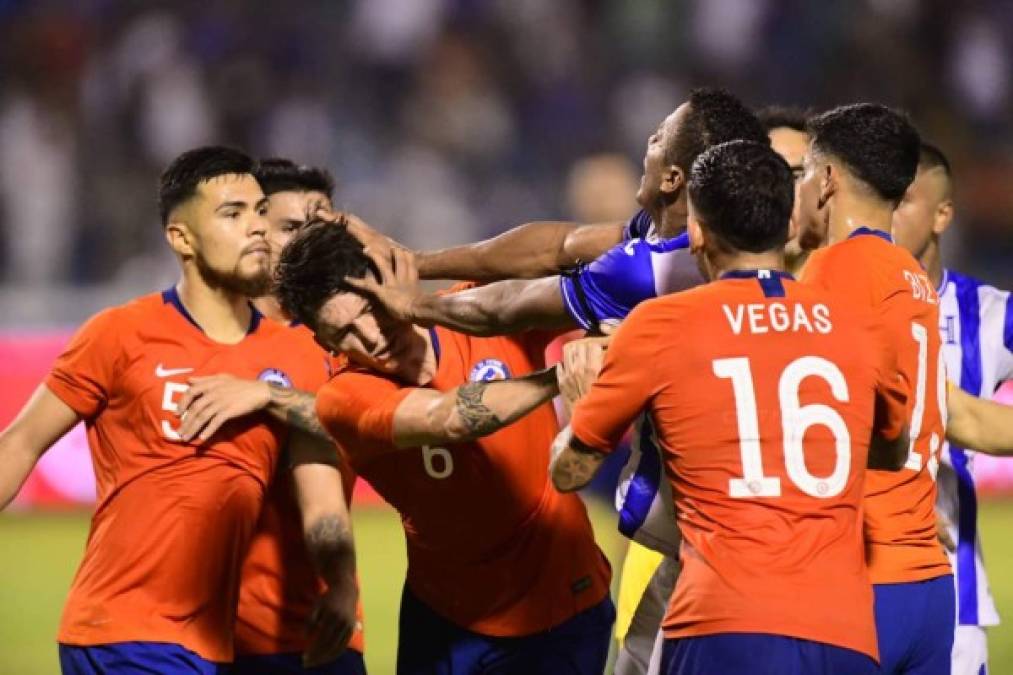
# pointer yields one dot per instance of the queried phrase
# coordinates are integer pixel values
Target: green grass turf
(39, 553)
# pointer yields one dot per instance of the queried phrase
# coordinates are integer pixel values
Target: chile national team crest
(275, 376)
(487, 370)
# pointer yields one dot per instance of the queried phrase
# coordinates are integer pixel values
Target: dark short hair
(931, 157)
(180, 180)
(877, 144)
(714, 117)
(282, 175)
(744, 192)
(784, 117)
(314, 265)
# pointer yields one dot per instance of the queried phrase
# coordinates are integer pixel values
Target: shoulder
(353, 390)
(114, 323)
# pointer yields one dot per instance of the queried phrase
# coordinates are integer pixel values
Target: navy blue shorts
(915, 624)
(349, 663)
(428, 644)
(136, 658)
(760, 654)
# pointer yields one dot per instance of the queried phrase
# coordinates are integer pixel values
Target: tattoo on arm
(300, 409)
(477, 417)
(575, 466)
(329, 544)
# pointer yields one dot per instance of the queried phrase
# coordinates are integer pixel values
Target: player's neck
(269, 306)
(671, 219)
(721, 263)
(419, 368)
(851, 213)
(932, 261)
(224, 316)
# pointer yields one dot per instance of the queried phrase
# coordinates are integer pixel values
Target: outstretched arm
(499, 308)
(327, 530)
(470, 411)
(978, 424)
(528, 251)
(43, 420)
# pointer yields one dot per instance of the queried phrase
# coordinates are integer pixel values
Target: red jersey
(173, 521)
(279, 585)
(763, 395)
(900, 518)
(492, 546)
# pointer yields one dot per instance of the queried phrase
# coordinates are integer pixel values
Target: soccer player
(765, 439)
(503, 572)
(279, 587)
(976, 324)
(157, 588)
(861, 160)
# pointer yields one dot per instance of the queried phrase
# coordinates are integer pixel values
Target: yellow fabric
(638, 568)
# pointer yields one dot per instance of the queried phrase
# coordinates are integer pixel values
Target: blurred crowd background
(444, 121)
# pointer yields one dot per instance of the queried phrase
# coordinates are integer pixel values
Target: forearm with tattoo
(331, 548)
(482, 408)
(574, 466)
(296, 408)
(475, 415)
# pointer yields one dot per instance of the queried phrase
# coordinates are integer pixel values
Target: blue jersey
(603, 292)
(976, 322)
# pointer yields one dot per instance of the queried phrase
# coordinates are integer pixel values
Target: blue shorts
(430, 645)
(760, 654)
(915, 624)
(349, 663)
(135, 658)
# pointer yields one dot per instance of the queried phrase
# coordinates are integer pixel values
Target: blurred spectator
(602, 188)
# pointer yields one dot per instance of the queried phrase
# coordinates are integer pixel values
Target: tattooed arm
(573, 463)
(472, 410)
(327, 530)
(212, 401)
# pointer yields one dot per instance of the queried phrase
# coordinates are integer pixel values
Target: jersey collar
(771, 281)
(869, 231)
(171, 296)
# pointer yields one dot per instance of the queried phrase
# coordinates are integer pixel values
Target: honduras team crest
(275, 376)
(488, 370)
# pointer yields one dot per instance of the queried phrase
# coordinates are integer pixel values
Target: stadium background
(444, 121)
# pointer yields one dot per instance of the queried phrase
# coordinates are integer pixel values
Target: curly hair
(743, 191)
(314, 265)
(713, 117)
(878, 145)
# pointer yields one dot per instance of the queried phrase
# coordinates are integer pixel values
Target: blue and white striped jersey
(603, 293)
(976, 321)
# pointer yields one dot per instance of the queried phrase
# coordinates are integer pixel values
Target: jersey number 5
(795, 420)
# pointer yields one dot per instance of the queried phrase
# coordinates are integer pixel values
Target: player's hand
(212, 401)
(331, 624)
(398, 288)
(377, 243)
(582, 361)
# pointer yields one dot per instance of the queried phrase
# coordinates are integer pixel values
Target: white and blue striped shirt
(976, 321)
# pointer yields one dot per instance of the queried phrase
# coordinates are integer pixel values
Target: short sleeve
(1006, 362)
(83, 374)
(625, 386)
(357, 409)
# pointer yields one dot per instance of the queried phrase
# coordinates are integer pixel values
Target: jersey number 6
(443, 465)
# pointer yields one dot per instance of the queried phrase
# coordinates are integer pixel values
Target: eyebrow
(231, 205)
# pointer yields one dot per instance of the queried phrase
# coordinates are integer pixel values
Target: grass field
(38, 555)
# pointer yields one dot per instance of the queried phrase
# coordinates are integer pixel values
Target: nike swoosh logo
(166, 372)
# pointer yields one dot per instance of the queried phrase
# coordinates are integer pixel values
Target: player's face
(792, 146)
(287, 213)
(918, 216)
(810, 207)
(228, 234)
(655, 167)
(347, 323)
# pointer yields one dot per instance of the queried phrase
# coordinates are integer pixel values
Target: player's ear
(673, 179)
(697, 235)
(180, 238)
(829, 180)
(943, 217)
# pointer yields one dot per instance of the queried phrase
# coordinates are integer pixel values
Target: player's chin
(254, 279)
